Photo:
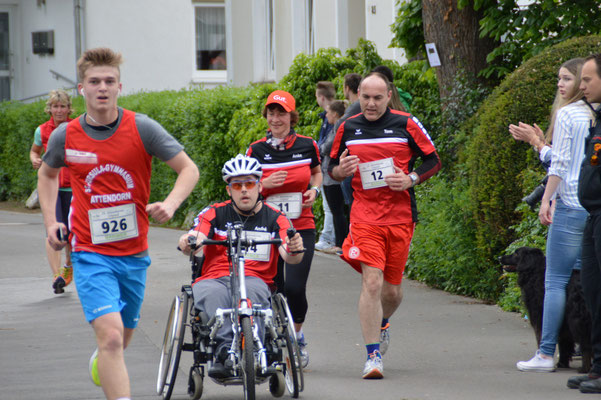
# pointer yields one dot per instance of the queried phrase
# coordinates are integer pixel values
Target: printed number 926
(114, 226)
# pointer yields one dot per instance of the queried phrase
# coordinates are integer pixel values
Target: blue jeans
(564, 248)
(327, 233)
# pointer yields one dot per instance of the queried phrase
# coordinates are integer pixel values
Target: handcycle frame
(245, 357)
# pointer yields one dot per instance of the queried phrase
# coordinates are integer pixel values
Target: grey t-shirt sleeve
(157, 141)
(55, 151)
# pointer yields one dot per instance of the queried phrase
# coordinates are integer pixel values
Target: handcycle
(251, 360)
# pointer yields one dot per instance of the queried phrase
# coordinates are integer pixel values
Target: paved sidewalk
(442, 346)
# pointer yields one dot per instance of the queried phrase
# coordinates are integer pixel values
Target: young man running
(108, 152)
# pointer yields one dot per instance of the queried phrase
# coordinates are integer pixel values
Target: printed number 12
(377, 175)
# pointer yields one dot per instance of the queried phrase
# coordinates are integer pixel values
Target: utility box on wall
(43, 42)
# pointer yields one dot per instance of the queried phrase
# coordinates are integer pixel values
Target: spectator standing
(108, 152)
(351, 86)
(400, 100)
(324, 94)
(566, 218)
(568, 92)
(291, 181)
(378, 147)
(589, 190)
(331, 187)
(59, 107)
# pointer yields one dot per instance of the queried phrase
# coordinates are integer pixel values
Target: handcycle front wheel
(293, 369)
(172, 346)
(248, 359)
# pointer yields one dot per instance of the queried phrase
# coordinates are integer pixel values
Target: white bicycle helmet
(240, 166)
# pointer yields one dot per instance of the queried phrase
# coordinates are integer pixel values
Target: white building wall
(326, 21)
(31, 72)
(284, 41)
(240, 57)
(379, 15)
(355, 28)
(156, 38)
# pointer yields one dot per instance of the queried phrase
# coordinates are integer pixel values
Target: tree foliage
(523, 31)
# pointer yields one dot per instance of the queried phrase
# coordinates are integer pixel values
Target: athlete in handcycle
(231, 294)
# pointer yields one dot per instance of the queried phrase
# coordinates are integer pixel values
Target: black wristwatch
(316, 188)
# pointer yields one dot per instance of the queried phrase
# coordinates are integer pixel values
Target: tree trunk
(455, 33)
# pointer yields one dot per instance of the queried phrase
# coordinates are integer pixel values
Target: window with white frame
(210, 43)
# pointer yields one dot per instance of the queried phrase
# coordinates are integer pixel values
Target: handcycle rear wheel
(172, 346)
(248, 358)
(293, 370)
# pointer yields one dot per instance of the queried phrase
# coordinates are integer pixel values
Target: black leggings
(294, 285)
(335, 200)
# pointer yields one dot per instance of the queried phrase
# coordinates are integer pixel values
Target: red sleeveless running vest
(111, 185)
(45, 130)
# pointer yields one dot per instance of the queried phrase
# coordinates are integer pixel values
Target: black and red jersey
(298, 158)
(397, 135)
(267, 224)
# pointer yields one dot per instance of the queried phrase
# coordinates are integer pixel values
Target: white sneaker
(322, 245)
(537, 364)
(374, 369)
(302, 346)
(384, 338)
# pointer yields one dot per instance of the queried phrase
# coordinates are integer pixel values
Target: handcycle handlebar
(243, 242)
(248, 243)
(291, 232)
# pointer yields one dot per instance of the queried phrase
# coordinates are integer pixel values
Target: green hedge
(470, 213)
(495, 163)
(213, 125)
(473, 213)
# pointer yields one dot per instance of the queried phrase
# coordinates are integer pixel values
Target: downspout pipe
(77, 7)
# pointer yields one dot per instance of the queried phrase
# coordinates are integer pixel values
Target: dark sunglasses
(238, 185)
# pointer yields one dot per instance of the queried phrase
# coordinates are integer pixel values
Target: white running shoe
(537, 364)
(384, 338)
(374, 369)
(323, 245)
(304, 354)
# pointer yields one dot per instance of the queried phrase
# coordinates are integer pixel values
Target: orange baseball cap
(282, 98)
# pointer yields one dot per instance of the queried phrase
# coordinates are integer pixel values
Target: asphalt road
(442, 346)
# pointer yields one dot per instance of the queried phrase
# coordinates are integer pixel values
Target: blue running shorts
(108, 284)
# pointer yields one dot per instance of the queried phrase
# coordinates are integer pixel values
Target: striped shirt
(569, 133)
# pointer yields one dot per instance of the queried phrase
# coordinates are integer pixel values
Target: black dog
(530, 265)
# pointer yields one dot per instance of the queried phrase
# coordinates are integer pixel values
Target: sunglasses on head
(248, 184)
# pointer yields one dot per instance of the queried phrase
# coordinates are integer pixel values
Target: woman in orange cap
(291, 181)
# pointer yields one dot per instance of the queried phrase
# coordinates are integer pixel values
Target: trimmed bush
(494, 161)
(473, 213)
(213, 125)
